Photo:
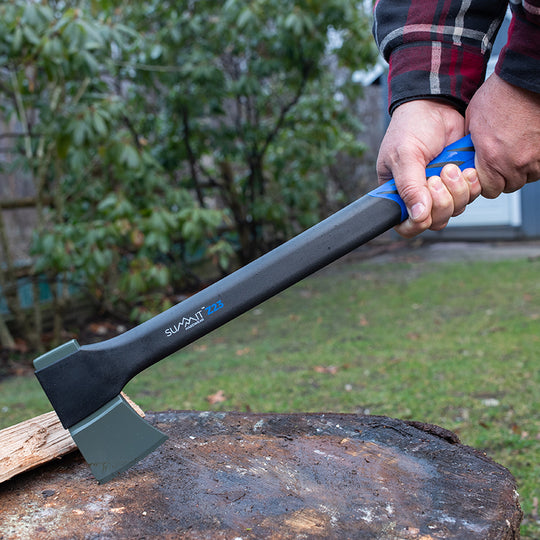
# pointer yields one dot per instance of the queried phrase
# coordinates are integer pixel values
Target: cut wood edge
(37, 441)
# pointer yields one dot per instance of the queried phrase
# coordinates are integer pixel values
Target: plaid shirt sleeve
(440, 48)
(519, 61)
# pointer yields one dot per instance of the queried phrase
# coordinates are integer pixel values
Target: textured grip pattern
(461, 153)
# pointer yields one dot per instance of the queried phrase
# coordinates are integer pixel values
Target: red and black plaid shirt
(440, 48)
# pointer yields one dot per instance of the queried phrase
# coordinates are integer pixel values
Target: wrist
(434, 113)
(449, 101)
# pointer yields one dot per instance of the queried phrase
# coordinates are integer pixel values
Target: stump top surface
(235, 475)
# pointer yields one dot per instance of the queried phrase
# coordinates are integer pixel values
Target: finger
(475, 189)
(412, 187)
(457, 186)
(492, 182)
(496, 179)
(442, 203)
(410, 229)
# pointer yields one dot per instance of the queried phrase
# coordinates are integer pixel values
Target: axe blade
(114, 438)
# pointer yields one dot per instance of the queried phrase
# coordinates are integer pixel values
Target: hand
(504, 122)
(418, 132)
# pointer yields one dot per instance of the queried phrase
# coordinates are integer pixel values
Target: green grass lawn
(453, 344)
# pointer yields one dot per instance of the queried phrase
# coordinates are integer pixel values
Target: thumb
(412, 187)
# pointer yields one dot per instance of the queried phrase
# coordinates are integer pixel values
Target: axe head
(114, 437)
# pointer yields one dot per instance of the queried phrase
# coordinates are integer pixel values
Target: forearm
(434, 49)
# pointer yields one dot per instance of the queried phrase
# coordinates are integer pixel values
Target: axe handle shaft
(80, 383)
(87, 379)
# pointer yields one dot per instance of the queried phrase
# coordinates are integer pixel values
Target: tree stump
(234, 475)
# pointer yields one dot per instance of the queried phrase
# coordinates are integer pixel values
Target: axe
(84, 383)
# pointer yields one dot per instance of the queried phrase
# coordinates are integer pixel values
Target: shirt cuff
(519, 60)
(435, 70)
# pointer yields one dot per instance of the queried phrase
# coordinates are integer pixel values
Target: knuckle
(438, 226)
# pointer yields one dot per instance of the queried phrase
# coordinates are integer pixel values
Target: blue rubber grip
(461, 153)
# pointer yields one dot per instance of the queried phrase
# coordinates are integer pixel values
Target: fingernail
(436, 183)
(417, 210)
(453, 172)
(470, 175)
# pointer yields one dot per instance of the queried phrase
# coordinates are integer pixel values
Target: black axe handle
(84, 380)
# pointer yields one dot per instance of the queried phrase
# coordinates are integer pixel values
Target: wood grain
(36, 441)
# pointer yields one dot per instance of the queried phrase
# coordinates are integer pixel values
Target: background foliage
(159, 134)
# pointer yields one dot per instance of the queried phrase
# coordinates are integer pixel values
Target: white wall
(504, 210)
